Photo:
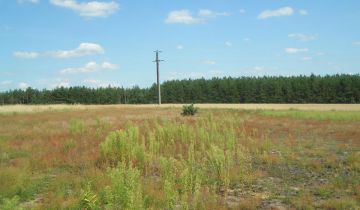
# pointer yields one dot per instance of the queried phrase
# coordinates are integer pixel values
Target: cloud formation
(179, 47)
(296, 50)
(186, 17)
(302, 37)
(28, 1)
(209, 62)
(88, 9)
(7, 82)
(228, 44)
(306, 58)
(23, 85)
(27, 55)
(284, 11)
(205, 13)
(90, 67)
(84, 49)
(193, 75)
(182, 16)
(99, 83)
(303, 12)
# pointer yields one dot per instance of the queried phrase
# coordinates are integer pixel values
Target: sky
(53, 43)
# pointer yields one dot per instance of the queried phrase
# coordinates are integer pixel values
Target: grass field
(150, 157)
(63, 107)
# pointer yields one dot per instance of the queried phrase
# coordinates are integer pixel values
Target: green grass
(318, 115)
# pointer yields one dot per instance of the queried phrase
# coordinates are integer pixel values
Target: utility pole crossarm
(157, 60)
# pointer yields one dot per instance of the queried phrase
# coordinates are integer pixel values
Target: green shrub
(125, 191)
(189, 110)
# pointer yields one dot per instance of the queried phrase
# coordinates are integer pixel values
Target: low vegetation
(153, 158)
(319, 115)
(189, 110)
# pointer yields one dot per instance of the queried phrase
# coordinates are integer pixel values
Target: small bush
(125, 191)
(189, 110)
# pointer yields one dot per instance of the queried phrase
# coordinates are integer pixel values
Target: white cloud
(194, 75)
(205, 13)
(303, 12)
(302, 37)
(88, 9)
(284, 11)
(99, 83)
(8, 82)
(228, 44)
(258, 69)
(186, 17)
(320, 53)
(52, 83)
(28, 1)
(179, 47)
(209, 62)
(23, 85)
(356, 43)
(28, 55)
(108, 66)
(306, 58)
(63, 84)
(242, 11)
(296, 50)
(60, 83)
(83, 50)
(90, 67)
(216, 73)
(182, 16)
(246, 39)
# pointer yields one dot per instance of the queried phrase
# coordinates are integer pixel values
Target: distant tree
(295, 89)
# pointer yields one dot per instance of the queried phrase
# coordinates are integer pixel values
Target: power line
(158, 74)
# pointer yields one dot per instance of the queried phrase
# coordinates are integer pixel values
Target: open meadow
(150, 157)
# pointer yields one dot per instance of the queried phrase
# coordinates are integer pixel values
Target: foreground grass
(152, 158)
(318, 115)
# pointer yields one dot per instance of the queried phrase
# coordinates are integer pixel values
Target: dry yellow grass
(64, 107)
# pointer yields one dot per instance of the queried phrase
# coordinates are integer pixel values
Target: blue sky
(50, 43)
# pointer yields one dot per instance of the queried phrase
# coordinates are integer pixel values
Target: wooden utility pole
(158, 74)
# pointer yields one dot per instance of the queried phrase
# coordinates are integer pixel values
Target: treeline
(295, 89)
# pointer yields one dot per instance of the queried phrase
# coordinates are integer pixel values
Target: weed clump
(189, 110)
(125, 191)
(88, 199)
